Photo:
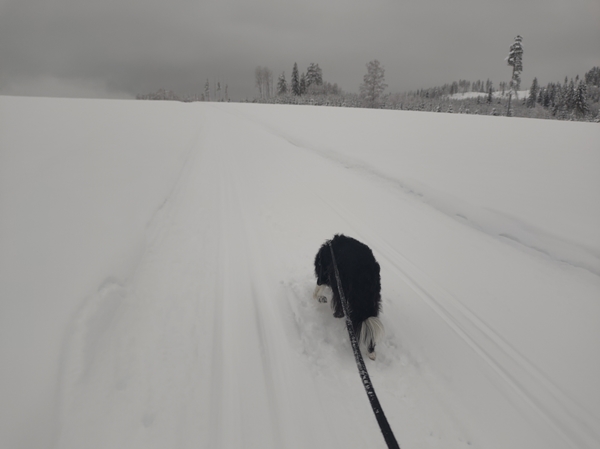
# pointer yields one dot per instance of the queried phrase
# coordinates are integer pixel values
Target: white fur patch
(323, 293)
(372, 331)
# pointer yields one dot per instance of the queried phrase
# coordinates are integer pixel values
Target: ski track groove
(461, 320)
(530, 239)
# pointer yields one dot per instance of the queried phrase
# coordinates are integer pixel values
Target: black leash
(386, 430)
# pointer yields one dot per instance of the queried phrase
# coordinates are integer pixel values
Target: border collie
(359, 274)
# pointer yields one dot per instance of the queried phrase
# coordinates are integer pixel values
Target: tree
(581, 104)
(490, 95)
(593, 77)
(373, 84)
(533, 94)
(314, 75)
(281, 84)
(302, 84)
(207, 90)
(515, 60)
(264, 82)
(295, 80)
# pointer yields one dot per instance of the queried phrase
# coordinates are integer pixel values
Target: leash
(386, 430)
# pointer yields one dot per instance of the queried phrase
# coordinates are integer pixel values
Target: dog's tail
(371, 331)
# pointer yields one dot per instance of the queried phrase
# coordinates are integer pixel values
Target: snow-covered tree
(533, 94)
(515, 60)
(580, 101)
(593, 77)
(302, 84)
(295, 80)
(314, 75)
(281, 84)
(373, 84)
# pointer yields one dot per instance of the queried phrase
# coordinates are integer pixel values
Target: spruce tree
(515, 60)
(593, 77)
(314, 75)
(533, 94)
(581, 104)
(295, 80)
(302, 84)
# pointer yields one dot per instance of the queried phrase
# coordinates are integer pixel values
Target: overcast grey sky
(119, 48)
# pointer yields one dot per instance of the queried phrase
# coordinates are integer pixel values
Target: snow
(156, 276)
(496, 94)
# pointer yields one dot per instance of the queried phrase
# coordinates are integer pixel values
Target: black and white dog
(359, 274)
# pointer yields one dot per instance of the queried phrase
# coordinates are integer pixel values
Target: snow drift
(156, 276)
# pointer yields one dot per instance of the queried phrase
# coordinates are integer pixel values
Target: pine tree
(295, 80)
(281, 84)
(373, 84)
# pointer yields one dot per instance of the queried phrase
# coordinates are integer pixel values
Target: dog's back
(359, 273)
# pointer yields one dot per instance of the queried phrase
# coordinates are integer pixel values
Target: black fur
(359, 274)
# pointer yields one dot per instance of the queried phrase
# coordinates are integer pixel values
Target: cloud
(139, 46)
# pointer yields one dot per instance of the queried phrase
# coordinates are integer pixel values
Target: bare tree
(264, 82)
(373, 84)
(207, 90)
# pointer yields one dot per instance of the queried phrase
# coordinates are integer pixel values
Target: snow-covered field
(156, 276)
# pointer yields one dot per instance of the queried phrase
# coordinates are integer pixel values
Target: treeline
(575, 99)
(457, 87)
(216, 92)
(305, 87)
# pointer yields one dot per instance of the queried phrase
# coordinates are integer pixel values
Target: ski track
(491, 222)
(219, 300)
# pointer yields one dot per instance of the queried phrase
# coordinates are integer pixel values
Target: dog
(361, 283)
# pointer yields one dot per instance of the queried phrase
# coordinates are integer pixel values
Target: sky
(121, 48)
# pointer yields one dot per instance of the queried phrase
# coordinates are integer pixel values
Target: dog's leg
(336, 305)
(322, 293)
(371, 331)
